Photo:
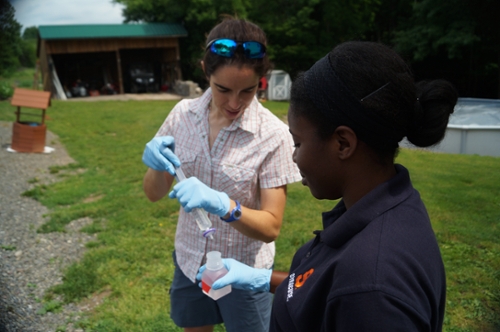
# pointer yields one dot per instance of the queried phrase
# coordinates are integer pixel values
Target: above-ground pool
(473, 128)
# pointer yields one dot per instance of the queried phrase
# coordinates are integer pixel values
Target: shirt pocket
(188, 163)
(239, 183)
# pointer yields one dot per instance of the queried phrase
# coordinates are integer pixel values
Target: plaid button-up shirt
(254, 152)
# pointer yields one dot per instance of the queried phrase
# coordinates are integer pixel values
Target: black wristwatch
(235, 213)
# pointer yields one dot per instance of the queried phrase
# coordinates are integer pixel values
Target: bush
(8, 65)
(27, 58)
(6, 90)
(25, 84)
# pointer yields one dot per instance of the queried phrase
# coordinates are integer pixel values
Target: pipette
(200, 215)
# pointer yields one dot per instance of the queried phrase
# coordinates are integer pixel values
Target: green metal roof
(111, 31)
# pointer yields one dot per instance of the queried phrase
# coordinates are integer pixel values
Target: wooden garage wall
(44, 68)
(111, 44)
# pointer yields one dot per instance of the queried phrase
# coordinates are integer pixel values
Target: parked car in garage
(142, 78)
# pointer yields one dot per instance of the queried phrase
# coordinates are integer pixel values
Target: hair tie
(418, 112)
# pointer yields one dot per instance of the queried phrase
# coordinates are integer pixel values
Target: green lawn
(22, 78)
(131, 260)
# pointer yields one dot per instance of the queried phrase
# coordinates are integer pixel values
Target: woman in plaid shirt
(237, 158)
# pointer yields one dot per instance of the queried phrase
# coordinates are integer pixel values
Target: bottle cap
(214, 260)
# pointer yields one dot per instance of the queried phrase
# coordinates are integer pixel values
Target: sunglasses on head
(227, 47)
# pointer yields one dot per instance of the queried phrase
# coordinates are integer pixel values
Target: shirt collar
(340, 225)
(248, 121)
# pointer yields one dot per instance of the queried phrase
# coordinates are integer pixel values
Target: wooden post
(35, 76)
(120, 77)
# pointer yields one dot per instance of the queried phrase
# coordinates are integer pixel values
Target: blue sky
(57, 12)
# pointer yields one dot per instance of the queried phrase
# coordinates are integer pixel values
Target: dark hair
(238, 30)
(383, 83)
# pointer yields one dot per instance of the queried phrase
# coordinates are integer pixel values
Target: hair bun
(435, 102)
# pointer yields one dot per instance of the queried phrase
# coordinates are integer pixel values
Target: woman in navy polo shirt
(376, 264)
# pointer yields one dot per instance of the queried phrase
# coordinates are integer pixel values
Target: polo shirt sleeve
(372, 311)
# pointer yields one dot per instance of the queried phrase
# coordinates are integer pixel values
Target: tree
(10, 31)
(435, 25)
(390, 15)
(457, 39)
(28, 47)
(30, 33)
(300, 32)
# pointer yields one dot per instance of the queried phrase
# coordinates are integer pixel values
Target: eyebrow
(223, 87)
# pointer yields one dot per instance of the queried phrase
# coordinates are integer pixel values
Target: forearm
(277, 278)
(263, 224)
(156, 184)
(257, 224)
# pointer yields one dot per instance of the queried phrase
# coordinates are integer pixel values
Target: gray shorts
(240, 311)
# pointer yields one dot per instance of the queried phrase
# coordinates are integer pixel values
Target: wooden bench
(29, 136)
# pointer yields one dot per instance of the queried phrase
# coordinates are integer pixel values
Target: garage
(90, 60)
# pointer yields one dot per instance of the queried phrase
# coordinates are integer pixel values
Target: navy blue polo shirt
(374, 267)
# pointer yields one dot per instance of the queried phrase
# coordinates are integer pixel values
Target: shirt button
(308, 254)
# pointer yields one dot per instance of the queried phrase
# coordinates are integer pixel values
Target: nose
(294, 155)
(235, 102)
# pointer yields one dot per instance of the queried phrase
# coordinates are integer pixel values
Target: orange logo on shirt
(301, 278)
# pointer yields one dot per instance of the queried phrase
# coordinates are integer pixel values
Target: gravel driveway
(30, 263)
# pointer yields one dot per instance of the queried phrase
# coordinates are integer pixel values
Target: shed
(105, 55)
(279, 85)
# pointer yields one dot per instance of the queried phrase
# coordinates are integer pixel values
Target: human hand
(159, 154)
(241, 276)
(192, 193)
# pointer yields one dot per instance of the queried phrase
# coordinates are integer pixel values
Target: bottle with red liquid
(215, 269)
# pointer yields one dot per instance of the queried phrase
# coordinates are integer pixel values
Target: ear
(347, 142)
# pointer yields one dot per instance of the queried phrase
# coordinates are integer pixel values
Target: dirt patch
(93, 301)
(92, 198)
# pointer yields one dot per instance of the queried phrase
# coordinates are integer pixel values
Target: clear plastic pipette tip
(201, 216)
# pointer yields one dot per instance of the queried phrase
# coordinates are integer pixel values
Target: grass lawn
(131, 260)
(22, 78)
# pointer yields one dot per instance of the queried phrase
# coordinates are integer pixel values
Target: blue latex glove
(241, 276)
(192, 193)
(159, 154)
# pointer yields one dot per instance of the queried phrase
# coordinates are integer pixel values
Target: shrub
(6, 90)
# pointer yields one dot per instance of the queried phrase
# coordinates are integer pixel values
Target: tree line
(458, 40)
(15, 50)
